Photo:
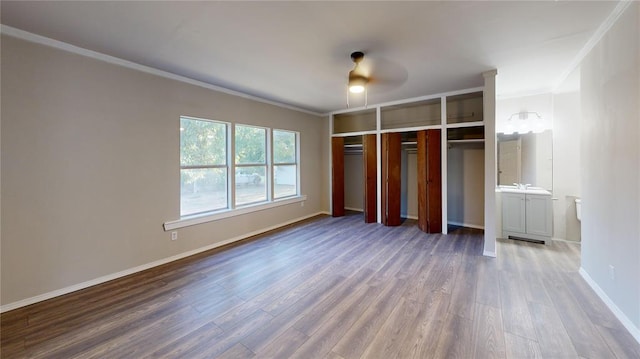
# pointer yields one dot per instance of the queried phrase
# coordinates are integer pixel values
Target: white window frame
(295, 163)
(232, 210)
(266, 165)
(226, 166)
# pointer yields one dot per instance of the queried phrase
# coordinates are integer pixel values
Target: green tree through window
(262, 165)
(251, 145)
(285, 164)
(203, 166)
(251, 164)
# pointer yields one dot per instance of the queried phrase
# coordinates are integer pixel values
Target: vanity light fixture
(524, 122)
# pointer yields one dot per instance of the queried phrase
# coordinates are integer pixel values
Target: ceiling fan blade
(385, 75)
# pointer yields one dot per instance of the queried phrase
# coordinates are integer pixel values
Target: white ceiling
(297, 53)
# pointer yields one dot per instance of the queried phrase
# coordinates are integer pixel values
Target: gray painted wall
(353, 181)
(90, 167)
(465, 184)
(566, 164)
(610, 163)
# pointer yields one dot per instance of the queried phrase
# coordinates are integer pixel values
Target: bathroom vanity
(527, 213)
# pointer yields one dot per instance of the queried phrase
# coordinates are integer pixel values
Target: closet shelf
(474, 140)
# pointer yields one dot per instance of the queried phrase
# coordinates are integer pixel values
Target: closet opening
(411, 178)
(465, 177)
(355, 176)
(428, 165)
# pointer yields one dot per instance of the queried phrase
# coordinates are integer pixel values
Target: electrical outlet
(174, 235)
(302, 204)
(612, 272)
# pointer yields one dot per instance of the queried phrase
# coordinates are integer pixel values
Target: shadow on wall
(573, 229)
(455, 184)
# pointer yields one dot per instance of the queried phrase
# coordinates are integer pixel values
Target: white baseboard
(467, 225)
(489, 254)
(354, 209)
(566, 240)
(628, 324)
(106, 278)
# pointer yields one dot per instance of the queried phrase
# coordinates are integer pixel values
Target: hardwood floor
(335, 288)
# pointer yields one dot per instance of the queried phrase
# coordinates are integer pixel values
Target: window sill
(218, 215)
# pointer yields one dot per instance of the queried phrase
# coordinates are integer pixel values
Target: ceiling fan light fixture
(357, 82)
(356, 89)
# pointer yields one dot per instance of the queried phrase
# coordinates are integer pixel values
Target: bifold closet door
(429, 181)
(369, 160)
(337, 176)
(391, 158)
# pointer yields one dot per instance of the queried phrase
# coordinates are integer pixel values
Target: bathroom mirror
(526, 158)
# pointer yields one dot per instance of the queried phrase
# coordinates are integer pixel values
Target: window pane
(285, 183)
(202, 142)
(251, 144)
(284, 146)
(251, 184)
(202, 190)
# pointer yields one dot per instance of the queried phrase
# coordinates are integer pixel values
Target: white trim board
(566, 240)
(489, 254)
(408, 216)
(467, 225)
(42, 40)
(126, 272)
(216, 216)
(407, 100)
(626, 322)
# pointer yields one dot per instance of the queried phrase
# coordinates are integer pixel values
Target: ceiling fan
(376, 73)
(357, 79)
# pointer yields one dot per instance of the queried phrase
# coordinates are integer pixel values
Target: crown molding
(42, 40)
(593, 41)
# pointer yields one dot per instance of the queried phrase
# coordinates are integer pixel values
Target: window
(203, 166)
(259, 166)
(285, 164)
(251, 164)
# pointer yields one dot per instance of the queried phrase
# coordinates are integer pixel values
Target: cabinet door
(429, 181)
(370, 178)
(391, 185)
(513, 212)
(337, 176)
(539, 215)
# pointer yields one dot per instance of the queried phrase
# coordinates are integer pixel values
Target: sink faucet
(522, 186)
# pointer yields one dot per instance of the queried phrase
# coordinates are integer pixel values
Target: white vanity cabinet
(527, 214)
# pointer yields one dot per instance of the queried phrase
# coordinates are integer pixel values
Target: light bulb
(356, 89)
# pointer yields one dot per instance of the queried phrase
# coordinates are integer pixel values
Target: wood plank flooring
(335, 288)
